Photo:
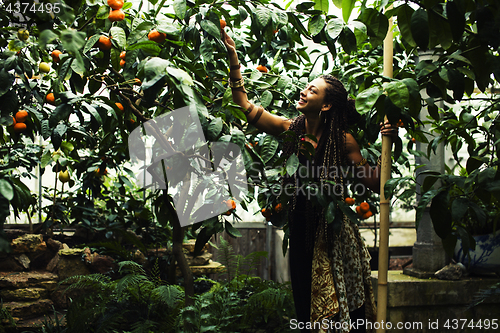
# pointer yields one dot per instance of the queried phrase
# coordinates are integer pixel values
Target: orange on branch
(358, 210)
(120, 106)
(122, 63)
(21, 116)
(367, 215)
(157, 36)
(104, 43)
(278, 208)
(349, 201)
(222, 24)
(266, 212)
(55, 55)
(262, 68)
(115, 4)
(50, 98)
(364, 207)
(116, 15)
(19, 127)
(122, 55)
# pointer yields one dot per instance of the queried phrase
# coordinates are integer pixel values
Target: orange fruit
(55, 55)
(349, 201)
(157, 36)
(275, 31)
(115, 4)
(413, 140)
(14, 121)
(358, 210)
(278, 208)
(19, 127)
(367, 215)
(262, 68)
(222, 24)
(122, 55)
(104, 43)
(400, 123)
(104, 173)
(116, 15)
(364, 207)
(230, 204)
(137, 81)
(21, 116)
(131, 121)
(120, 106)
(122, 62)
(228, 213)
(50, 98)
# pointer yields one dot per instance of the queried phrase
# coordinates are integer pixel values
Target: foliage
(136, 301)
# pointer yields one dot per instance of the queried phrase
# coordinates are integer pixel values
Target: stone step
(29, 309)
(17, 280)
(24, 294)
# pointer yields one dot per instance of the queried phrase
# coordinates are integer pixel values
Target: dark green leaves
(419, 27)
(441, 215)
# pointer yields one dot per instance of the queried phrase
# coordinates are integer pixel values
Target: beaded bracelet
(236, 84)
(360, 163)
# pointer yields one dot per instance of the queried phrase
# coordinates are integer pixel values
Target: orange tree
(173, 58)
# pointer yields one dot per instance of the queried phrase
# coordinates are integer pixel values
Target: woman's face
(312, 98)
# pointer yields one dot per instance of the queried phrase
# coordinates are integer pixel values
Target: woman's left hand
(388, 129)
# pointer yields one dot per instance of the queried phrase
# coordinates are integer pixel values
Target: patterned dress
(331, 277)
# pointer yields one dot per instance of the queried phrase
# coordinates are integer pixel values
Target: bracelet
(234, 67)
(236, 84)
(379, 160)
(360, 163)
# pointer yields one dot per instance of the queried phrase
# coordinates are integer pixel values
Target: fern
(484, 294)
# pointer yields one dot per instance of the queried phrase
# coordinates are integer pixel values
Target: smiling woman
(329, 266)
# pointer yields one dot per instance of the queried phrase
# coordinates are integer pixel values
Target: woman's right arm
(256, 115)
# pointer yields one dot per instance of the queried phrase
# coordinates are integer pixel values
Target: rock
(10, 264)
(200, 260)
(25, 279)
(140, 258)
(24, 294)
(71, 263)
(51, 266)
(101, 263)
(29, 309)
(24, 261)
(449, 272)
(190, 243)
(65, 246)
(28, 243)
(54, 245)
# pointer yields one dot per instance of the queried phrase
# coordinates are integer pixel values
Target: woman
(330, 269)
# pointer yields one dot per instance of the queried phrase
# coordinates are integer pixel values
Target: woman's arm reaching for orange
(256, 115)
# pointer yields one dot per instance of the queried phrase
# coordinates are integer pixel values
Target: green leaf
(316, 24)
(456, 19)
(238, 137)
(263, 16)
(367, 99)
(119, 36)
(459, 207)
(46, 37)
(441, 215)
(6, 81)
(102, 12)
(292, 164)
(352, 215)
(330, 212)
(232, 231)
(422, 204)
(269, 147)
(214, 128)
(334, 27)
(180, 75)
(92, 111)
(73, 40)
(211, 28)
(147, 46)
(419, 26)
(347, 7)
(348, 40)
(322, 5)
(266, 99)
(405, 13)
(6, 189)
(180, 8)
(398, 93)
(392, 183)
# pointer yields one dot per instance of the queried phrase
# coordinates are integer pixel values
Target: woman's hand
(228, 41)
(388, 129)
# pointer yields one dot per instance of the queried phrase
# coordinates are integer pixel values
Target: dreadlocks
(330, 152)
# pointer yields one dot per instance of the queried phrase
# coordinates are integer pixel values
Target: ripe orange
(21, 116)
(275, 31)
(137, 81)
(131, 121)
(230, 204)
(349, 201)
(222, 24)
(228, 213)
(364, 207)
(122, 62)
(55, 55)
(104, 43)
(19, 127)
(122, 55)
(104, 173)
(50, 98)
(358, 210)
(116, 15)
(120, 106)
(157, 36)
(278, 208)
(400, 123)
(262, 68)
(14, 121)
(367, 215)
(115, 4)
(413, 140)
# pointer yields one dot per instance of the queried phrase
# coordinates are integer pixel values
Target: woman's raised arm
(256, 115)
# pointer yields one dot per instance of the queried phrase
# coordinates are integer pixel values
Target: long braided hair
(330, 154)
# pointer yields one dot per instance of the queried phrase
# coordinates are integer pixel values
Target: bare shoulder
(351, 143)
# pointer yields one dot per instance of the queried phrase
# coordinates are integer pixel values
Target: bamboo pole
(385, 174)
